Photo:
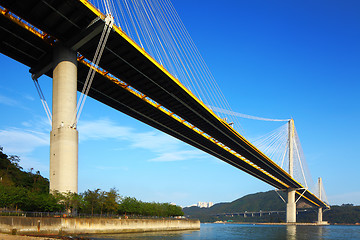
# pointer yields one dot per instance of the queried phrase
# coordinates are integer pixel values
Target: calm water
(240, 231)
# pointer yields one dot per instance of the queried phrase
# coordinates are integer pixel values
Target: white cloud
(26, 124)
(166, 147)
(29, 97)
(154, 141)
(23, 142)
(178, 156)
(13, 102)
(102, 129)
(8, 101)
(30, 162)
(20, 141)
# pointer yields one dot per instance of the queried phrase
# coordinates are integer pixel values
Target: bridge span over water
(59, 37)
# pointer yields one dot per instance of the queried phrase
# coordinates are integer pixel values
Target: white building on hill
(205, 204)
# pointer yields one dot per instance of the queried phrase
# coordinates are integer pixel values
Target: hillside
(270, 201)
(28, 191)
(23, 190)
(265, 201)
(11, 174)
(253, 202)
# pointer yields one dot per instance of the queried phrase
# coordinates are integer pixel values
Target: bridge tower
(320, 210)
(291, 204)
(64, 137)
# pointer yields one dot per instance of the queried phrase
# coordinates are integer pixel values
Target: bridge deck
(176, 110)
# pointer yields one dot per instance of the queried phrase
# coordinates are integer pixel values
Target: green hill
(270, 201)
(21, 190)
(29, 192)
(11, 174)
(264, 201)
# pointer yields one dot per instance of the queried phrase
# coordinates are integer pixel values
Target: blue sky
(275, 59)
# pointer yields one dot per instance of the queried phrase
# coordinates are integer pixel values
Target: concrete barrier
(43, 226)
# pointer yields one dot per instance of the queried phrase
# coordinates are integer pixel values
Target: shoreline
(4, 236)
(290, 224)
(48, 227)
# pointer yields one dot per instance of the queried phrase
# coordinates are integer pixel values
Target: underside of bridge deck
(68, 21)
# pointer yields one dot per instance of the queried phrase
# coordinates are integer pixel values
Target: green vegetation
(28, 191)
(346, 213)
(270, 201)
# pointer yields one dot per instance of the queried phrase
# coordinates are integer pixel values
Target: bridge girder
(128, 62)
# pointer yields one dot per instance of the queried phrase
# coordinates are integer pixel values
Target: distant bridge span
(129, 80)
(257, 213)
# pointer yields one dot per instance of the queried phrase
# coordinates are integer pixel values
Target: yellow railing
(50, 40)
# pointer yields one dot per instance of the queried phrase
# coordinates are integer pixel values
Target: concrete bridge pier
(291, 204)
(320, 215)
(320, 210)
(291, 207)
(64, 137)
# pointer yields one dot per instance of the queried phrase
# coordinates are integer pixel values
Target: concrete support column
(64, 137)
(291, 207)
(320, 215)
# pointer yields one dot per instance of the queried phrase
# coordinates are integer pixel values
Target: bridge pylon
(291, 203)
(64, 137)
(291, 206)
(320, 210)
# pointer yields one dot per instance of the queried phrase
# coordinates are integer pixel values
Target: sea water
(246, 231)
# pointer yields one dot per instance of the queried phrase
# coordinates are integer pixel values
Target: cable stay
(236, 114)
(109, 21)
(158, 29)
(301, 165)
(301, 169)
(275, 145)
(320, 191)
(43, 100)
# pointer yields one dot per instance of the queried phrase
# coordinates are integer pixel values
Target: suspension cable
(217, 109)
(109, 21)
(43, 100)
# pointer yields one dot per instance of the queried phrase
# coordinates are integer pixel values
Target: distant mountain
(270, 201)
(265, 201)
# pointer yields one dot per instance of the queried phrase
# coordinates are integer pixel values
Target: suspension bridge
(137, 57)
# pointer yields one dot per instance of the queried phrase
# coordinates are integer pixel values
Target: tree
(91, 199)
(72, 202)
(29, 191)
(174, 210)
(112, 199)
(130, 205)
(15, 160)
(101, 201)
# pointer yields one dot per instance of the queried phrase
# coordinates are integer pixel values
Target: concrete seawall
(42, 226)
